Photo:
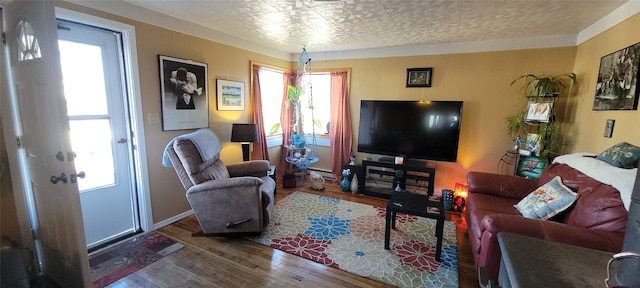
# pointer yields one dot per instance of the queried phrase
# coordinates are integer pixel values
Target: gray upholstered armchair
(226, 199)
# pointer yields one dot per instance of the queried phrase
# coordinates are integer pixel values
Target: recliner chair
(226, 199)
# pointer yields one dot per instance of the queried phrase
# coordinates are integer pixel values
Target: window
(321, 89)
(271, 87)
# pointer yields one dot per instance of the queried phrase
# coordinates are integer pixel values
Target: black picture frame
(617, 83)
(185, 104)
(419, 77)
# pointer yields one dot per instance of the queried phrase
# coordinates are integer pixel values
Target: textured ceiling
(288, 25)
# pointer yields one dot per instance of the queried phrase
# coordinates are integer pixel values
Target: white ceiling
(345, 25)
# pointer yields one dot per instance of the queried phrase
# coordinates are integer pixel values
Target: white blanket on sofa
(619, 178)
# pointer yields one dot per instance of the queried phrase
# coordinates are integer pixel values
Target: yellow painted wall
(585, 132)
(480, 80)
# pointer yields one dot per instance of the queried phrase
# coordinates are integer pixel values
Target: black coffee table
(414, 204)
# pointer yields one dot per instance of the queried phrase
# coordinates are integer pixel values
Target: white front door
(42, 127)
(93, 76)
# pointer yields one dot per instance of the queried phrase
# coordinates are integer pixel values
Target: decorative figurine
(345, 184)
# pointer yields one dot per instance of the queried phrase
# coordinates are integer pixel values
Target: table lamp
(245, 134)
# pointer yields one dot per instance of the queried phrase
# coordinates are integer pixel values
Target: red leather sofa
(597, 219)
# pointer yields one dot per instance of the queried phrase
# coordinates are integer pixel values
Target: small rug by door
(128, 257)
(350, 236)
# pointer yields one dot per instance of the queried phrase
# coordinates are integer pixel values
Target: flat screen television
(427, 130)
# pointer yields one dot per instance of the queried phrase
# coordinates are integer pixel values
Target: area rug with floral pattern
(130, 256)
(350, 236)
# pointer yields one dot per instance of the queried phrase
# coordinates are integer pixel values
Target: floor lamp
(245, 134)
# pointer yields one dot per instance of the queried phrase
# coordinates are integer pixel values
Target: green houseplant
(539, 88)
(544, 85)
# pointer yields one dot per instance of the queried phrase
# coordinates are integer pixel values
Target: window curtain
(260, 149)
(340, 123)
(285, 121)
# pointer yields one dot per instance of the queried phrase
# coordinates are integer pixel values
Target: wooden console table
(532, 262)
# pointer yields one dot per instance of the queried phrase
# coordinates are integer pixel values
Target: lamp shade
(244, 133)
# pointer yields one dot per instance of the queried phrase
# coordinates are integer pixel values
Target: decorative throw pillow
(622, 155)
(547, 201)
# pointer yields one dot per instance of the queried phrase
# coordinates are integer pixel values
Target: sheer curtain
(260, 149)
(340, 127)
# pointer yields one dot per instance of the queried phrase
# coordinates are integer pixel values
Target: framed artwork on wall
(419, 77)
(617, 86)
(230, 95)
(539, 111)
(183, 92)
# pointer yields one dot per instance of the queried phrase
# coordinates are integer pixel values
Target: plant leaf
(274, 129)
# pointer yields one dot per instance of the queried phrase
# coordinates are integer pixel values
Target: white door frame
(135, 105)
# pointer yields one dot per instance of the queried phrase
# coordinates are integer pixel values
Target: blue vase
(345, 184)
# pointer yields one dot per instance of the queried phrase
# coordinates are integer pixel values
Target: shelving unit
(379, 179)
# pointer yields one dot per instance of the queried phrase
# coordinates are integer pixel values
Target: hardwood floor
(236, 262)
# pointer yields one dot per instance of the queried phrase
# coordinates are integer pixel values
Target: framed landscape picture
(230, 95)
(617, 86)
(184, 93)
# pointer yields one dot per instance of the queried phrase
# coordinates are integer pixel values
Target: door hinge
(4, 39)
(18, 142)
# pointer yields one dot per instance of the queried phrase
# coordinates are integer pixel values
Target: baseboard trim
(173, 219)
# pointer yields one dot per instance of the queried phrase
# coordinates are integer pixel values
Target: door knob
(74, 177)
(60, 156)
(62, 177)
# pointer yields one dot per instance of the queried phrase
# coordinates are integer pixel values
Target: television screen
(414, 129)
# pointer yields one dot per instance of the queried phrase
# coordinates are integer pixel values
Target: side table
(533, 262)
(417, 205)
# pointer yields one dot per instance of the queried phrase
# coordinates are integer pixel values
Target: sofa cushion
(622, 155)
(598, 207)
(547, 201)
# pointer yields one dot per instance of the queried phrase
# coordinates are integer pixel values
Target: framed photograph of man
(184, 93)
(617, 86)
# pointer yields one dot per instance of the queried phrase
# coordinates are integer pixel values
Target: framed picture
(608, 128)
(617, 87)
(230, 95)
(534, 143)
(419, 77)
(183, 92)
(530, 167)
(539, 111)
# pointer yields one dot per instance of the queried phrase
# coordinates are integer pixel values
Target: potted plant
(539, 88)
(544, 85)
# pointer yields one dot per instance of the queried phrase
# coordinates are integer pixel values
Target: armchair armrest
(500, 185)
(256, 168)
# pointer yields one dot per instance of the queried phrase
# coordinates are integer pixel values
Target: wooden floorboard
(237, 262)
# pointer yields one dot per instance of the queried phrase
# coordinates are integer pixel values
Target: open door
(42, 130)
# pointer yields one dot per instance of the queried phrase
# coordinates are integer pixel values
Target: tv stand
(378, 178)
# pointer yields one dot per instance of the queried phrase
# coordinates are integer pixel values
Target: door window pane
(83, 78)
(91, 141)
